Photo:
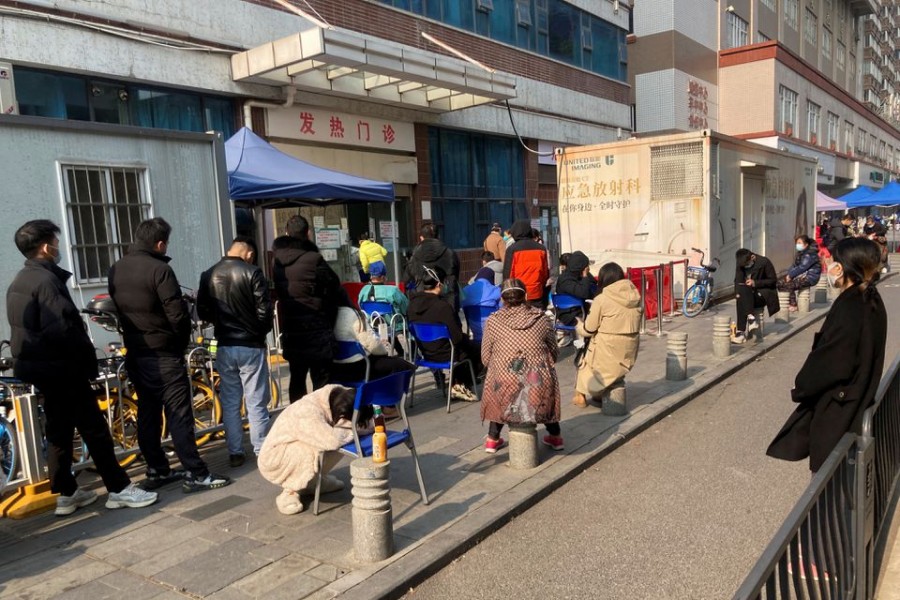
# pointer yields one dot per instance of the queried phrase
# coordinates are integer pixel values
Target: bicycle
(9, 445)
(697, 297)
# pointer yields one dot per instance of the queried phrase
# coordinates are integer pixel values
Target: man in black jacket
(838, 230)
(575, 281)
(234, 296)
(156, 326)
(308, 291)
(53, 352)
(754, 285)
(433, 253)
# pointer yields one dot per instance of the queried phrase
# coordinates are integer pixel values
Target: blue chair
(383, 312)
(565, 302)
(347, 349)
(476, 316)
(387, 391)
(436, 332)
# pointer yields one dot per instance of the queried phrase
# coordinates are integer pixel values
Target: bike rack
(33, 496)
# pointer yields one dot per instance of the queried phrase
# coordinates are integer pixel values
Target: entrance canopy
(889, 195)
(856, 195)
(826, 203)
(259, 174)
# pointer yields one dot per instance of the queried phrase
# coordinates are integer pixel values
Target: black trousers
(747, 300)
(494, 429)
(299, 366)
(162, 386)
(70, 404)
(381, 366)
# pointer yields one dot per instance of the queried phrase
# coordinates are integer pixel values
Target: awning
(353, 65)
(889, 195)
(826, 203)
(856, 195)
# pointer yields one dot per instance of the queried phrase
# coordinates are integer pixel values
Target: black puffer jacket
(49, 339)
(429, 308)
(308, 291)
(234, 296)
(432, 252)
(154, 315)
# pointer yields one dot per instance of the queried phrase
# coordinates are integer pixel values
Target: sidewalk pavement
(232, 543)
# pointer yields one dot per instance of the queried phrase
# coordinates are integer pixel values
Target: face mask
(750, 264)
(57, 258)
(832, 278)
(800, 247)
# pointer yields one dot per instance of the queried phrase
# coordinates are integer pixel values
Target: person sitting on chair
(575, 281)
(318, 423)
(427, 306)
(754, 285)
(491, 270)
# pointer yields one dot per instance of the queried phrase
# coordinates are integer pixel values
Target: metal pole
(684, 279)
(643, 302)
(658, 272)
(394, 238)
(672, 287)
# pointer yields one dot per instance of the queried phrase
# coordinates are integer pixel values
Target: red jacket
(526, 260)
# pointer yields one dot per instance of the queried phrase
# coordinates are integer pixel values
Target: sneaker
(461, 392)
(884, 269)
(235, 460)
(554, 441)
(579, 400)
(66, 505)
(738, 338)
(288, 502)
(578, 343)
(793, 308)
(563, 340)
(131, 497)
(752, 325)
(210, 482)
(491, 446)
(155, 480)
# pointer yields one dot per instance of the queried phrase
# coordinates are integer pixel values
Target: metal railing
(832, 543)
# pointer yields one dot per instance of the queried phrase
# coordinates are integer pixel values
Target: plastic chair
(384, 312)
(476, 316)
(347, 349)
(565, 302)
(387, 391)
(436, 332)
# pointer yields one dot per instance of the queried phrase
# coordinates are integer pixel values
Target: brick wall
(384, 22)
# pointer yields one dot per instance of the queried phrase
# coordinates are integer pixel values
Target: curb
(433, 554)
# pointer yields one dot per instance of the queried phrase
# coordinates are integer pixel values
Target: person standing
(839, 229)
(495, 244)
(526, 260)
(370, 253)
(308, 291)
(156, 327)
(840, 377)
(432, 253)
(754, 286)
(234, 296)
(52, 351)
(519, 350)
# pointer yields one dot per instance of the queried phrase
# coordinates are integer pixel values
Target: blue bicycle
(697, 297)
(9, 450)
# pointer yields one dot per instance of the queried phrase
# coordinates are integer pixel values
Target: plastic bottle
(379, 438)
(213, 346)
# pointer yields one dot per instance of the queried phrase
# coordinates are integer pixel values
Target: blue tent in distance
(261, 175)
(858, 194)
(886, 196)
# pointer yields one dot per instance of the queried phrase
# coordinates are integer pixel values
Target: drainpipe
(289, 93)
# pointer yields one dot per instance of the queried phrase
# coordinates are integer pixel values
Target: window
(737, 31)
(811, 28)
(790, 13)
(882, 148)
(770, 4)
(834, 123)
(813, 117)
(861, 140)
(839, 56)
(105, 205)
(789, 105)
(848, 138)
(761, 37)
(826, 44)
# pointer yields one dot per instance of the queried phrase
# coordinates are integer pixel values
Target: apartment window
(882, 149)
(826, 44)
(839, 56)
(873, 145)
(105, 205)
(813, 117)
(848, 137)
(790, 13)
(861, 140)
(788, 109)
(737, 31)
(834, 123)
(811, 28)
(761, 37)
(770, 4)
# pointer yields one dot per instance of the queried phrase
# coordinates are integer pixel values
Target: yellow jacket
(370, 252)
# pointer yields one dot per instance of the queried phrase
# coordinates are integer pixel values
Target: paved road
(681, 511)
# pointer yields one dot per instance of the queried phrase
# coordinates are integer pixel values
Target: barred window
(105, 205)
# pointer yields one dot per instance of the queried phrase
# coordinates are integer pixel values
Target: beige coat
(613, 325)
(289, 456)
(495, 244)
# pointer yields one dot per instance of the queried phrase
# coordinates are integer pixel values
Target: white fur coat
(290, 453)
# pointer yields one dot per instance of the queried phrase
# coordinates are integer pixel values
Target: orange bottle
(379, 438)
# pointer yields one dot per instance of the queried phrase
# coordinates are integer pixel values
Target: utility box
(645, 201)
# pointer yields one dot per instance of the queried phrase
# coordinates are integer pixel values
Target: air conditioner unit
(8, 105)
(484, 5)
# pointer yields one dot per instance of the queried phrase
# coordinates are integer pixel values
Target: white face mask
(800, 247)
(832, 278)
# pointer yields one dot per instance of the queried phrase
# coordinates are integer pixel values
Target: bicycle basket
(697, 272)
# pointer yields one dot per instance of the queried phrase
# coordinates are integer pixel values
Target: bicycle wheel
(695, 300)
(124, 428)
(207, 411)
(9, 453)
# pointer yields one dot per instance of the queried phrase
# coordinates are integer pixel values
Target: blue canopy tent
(889, 195)
(858, 194)
(261, 176)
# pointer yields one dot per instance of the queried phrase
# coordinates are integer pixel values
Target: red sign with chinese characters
(322, 125)
(698, 109)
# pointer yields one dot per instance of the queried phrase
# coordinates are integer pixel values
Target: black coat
(429, 308)
(764, 280)
(49, 339)
(152, 311)
(234, 296)
(839, 379)
(432, 252)
(308, 292)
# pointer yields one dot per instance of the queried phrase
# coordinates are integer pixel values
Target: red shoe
(491, 446)
(554, 441)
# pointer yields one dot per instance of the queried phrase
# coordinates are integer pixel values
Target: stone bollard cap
(365, 468)
(678, 335)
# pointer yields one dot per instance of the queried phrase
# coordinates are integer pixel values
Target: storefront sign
(327, 126)
(386, 229)
(328, 238)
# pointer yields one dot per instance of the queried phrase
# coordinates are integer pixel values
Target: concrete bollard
(373, 530)
(676, 356)
(523, 446)
(803, 300)
(614, 402)
(822, 290)
(722, 337)
(761, 322)
(784, 300)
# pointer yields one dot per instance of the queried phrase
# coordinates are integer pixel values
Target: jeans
(162, 384)
(244, 372)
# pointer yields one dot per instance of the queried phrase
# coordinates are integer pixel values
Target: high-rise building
(880, 84)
